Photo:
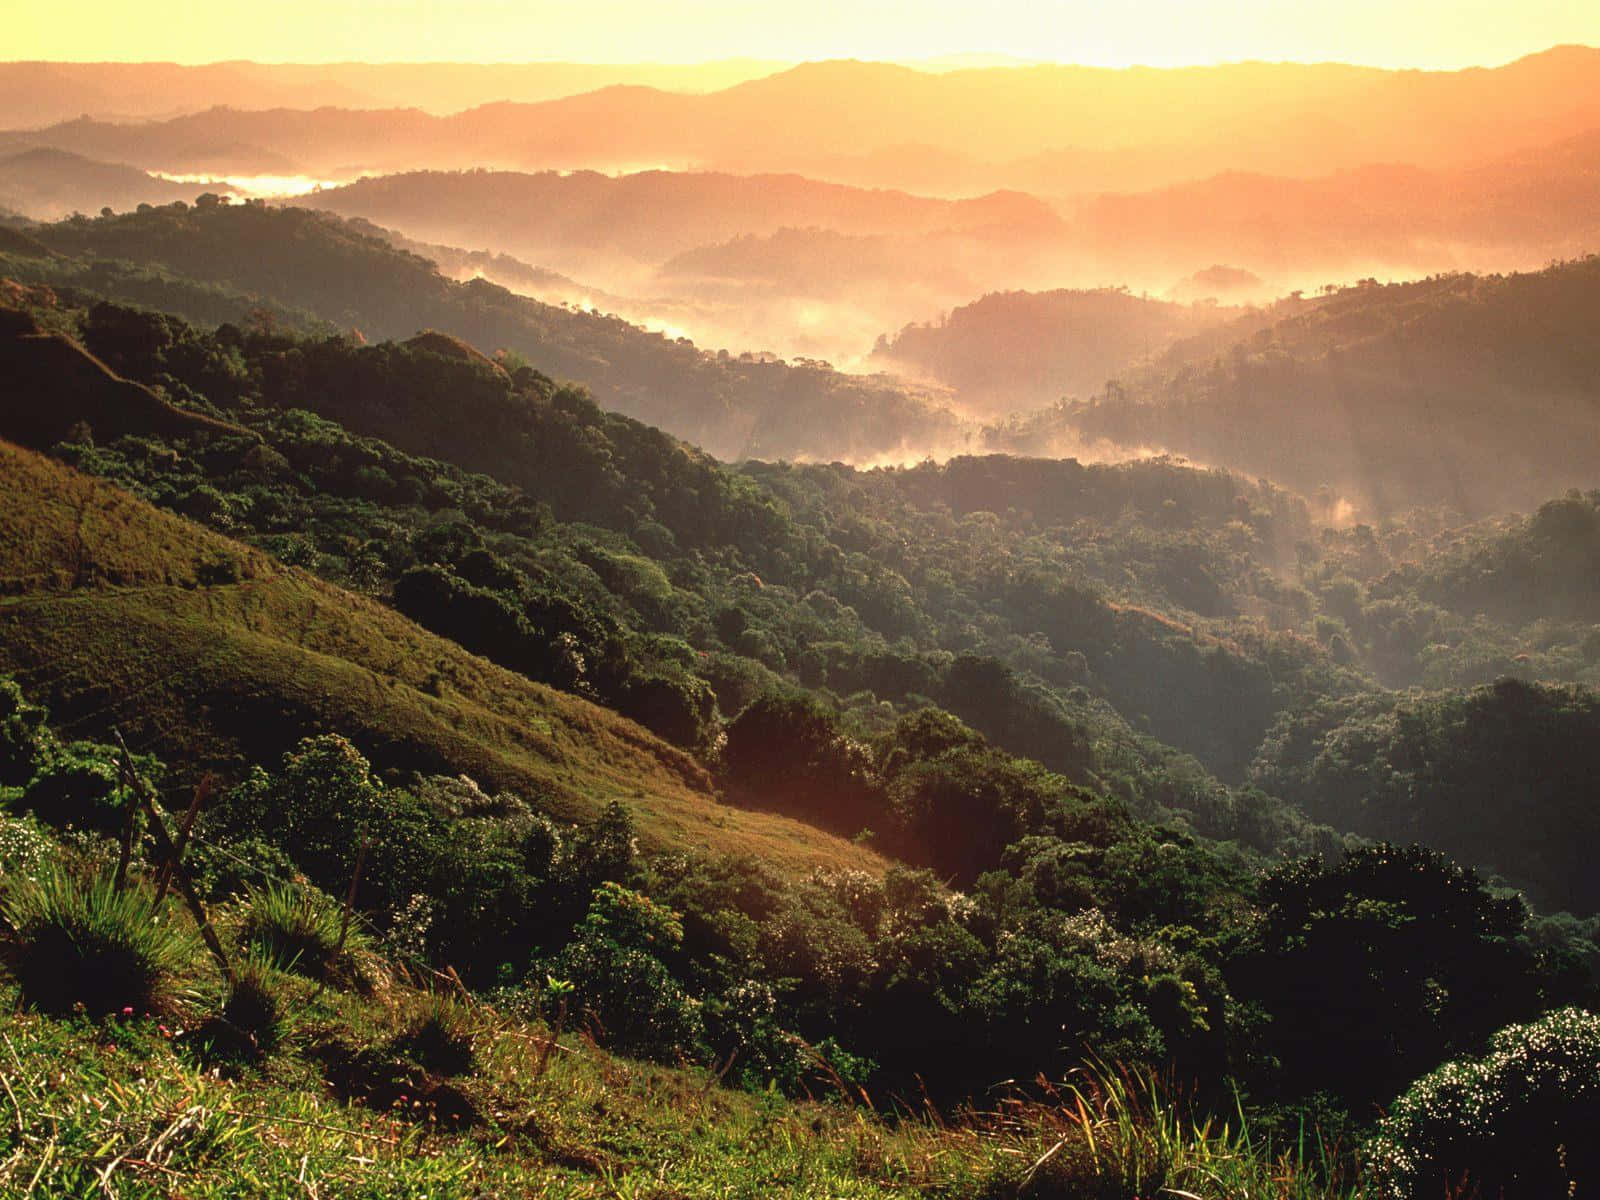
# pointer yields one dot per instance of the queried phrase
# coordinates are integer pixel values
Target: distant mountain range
(43, 93)
(1049, 129)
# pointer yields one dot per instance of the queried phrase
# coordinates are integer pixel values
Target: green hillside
(293, 261)
(1474, 392)
(213, 655)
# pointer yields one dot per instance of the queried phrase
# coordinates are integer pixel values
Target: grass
(439, 1037)
(1122, 1134)
(396, 1090)
(254, 1008)
(107, 615)
(135, 1111)
(85, 944)
(302, 930)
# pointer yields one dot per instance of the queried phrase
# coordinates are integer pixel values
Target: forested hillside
(1097, 701)
(1019, 350)
(733, 406)
(1472, 392)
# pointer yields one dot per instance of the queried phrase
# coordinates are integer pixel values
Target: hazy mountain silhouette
(41, 93)
(1054, 129)
(47, 184)
(1473, 391)
(1013, 350)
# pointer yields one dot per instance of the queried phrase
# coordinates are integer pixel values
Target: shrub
(24, 739)
(79, 784)
(300, 929)
(88, 944)
(318, 808)
(615, 967)
(24, 847)
(1519, 1121)
(250, 1023)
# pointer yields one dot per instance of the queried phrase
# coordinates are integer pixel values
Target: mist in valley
(683, 603)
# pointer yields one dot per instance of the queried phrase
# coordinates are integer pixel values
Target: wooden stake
(350, 896)
(169, 866)
(164, 842)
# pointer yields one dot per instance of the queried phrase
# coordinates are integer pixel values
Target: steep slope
(211, 655)
(81, 388)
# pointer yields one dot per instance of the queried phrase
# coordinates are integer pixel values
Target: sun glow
(1417, 33)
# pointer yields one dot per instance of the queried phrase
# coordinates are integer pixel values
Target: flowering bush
(1519, 1121)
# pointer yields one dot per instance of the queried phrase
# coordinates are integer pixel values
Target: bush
(79, 784)
(319, 808)
(298, 928)
(24, 739)
(24, 846)
(1519, 1121)
(615, 966)
(90, 945)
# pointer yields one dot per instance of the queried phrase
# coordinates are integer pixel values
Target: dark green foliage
(1427, 964)
(958, 810)
(1502, 776)
(79, 784)
(614, 963)
(85, 943)
(1517, 1121)
(324, 804)
(24, 737)
(788, 752)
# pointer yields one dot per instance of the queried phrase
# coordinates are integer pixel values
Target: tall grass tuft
(254, 1006)
(88, 944)
(1124, 1133)
(439, 1037)
(300, 929)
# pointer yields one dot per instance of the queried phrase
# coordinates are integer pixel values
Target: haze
(985, 222)
(1419, 33)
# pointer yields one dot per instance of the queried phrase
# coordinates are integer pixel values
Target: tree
(1381, 966)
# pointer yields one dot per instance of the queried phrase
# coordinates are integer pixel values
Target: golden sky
(1399, 33)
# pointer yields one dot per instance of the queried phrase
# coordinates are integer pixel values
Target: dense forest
(1385, 396)
(885, 783)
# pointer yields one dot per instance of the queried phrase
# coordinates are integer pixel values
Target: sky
(1439, 34)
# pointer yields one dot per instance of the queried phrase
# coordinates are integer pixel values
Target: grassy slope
(592, 1127)
(212, 654)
